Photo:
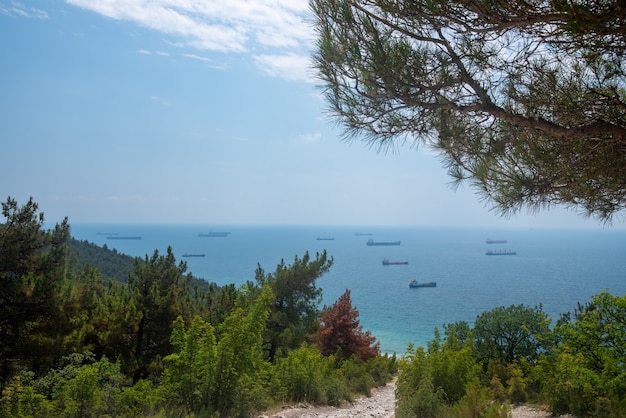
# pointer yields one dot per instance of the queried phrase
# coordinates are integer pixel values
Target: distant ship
(362, 234)
(414, 284)
(193, 255)
(213, 234)
(371, 242)
(495, 241)
(122, 237)
(386, 262)
(325, 238)
(500, 252)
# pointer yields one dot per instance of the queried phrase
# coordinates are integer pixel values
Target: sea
(552, 268)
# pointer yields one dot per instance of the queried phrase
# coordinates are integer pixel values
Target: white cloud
(160, 101)
(122, 199)
(159, 53)
(19, 10)
(276, 31)
(314, 137)
(197, 57)
(212, 63)
(293, 67)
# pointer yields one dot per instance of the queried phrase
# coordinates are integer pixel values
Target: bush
(20, 400)
(420, 400)
(517, 384)
(478, 402)
(305, 375)
(382, 368)
(94, 391)
(357, 377)
(140, 400)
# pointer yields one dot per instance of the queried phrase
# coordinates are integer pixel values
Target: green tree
(416, 395)
(159, 290)
(32, 269)
(241, 369)
(598, 332)
(452, 369)
(571, 386)
(190, 374)
(227, 375)
(525, 100)
(589, 377)
(92, 391)
(22, 401)
(295, 308)
(220, 302)
(113, 319)
(88, 303)
(509, 334)
(457, 335)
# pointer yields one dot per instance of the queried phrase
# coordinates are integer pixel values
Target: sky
(201, 112)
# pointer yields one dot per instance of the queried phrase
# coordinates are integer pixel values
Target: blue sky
(206, 112)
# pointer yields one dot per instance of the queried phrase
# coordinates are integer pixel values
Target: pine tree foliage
(295, 309)
(525, 100)
(159, 291)
(32, 269)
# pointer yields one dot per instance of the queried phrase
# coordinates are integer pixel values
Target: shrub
(478, 402)
(304, 376)
(20, 400)
(357, 377)
(420, 400)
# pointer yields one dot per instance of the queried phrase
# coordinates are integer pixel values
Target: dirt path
(380, 405)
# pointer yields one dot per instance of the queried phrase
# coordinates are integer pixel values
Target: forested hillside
(110, 263)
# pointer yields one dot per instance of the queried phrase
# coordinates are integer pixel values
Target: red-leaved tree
(340, 333)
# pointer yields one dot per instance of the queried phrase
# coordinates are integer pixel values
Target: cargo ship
(370, 242)
(213, 234)
(414, 284)
(500, 252)
(386, 262)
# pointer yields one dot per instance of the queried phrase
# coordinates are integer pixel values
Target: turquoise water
(554, 268)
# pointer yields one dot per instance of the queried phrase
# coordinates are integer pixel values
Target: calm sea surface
(554, 268)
